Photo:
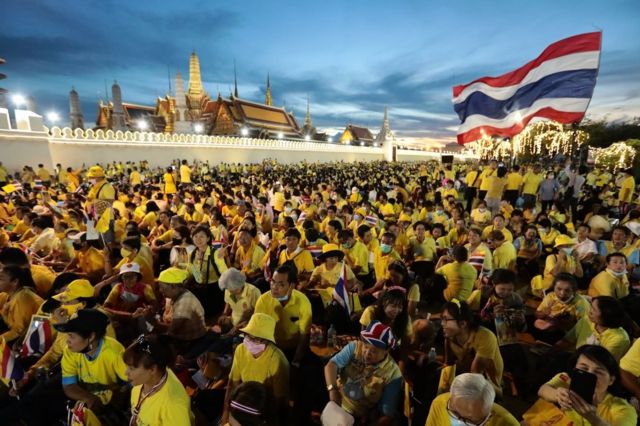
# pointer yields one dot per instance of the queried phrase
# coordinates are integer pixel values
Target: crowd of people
(334, 293)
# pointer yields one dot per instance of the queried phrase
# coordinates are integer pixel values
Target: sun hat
(173, 276)
(262, 326)
(76, 289)
(331, 250)
(564, 240)
(95, 172)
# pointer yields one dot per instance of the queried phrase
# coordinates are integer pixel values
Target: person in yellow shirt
(481, 216)
(18, 301)
(249, 255)
(472, 180)
(135, 177)
(240, 300)
(325, 276)
(169, 182)
(131, 252)
(630, 370)
(382, 257)
(157, 397)
(499, 224)
(356, 254)
(514, 183)
(185, 173)
(293, 252)
(148, 222)
(258, 359)
(530, 184)
(613, 280)
(504, 253)
(460, 275)
(488, 171)
(607, 406)
(292, 311)
(44, 175)
(627, 189)
(495, 185)
(470, 401)
(92, 364)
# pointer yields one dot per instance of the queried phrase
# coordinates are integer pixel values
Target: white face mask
(617, 274)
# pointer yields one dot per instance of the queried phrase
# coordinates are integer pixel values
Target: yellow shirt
(631, 361)
(505, 256)
(250, 260)
(169, 184)
(514, 180)
(301, 258)
(606, 284)
(107, 368)
(438, 415)
(135, 178)
(488, 229)
(486, 173)
(169, 406)
(570, 267)
(613, 410)
(201, 264)
(460, 280)
(495, 186)
(381, 263)
(626, 190)
(17, 310)
(531, 182)
(185, 174)
(480, 218)
(423, 251)
(358, 255)
(328, 279)
(243, 303)
(482, 343)
(43, 277)
(615, 340)
(271, 368)
(91, 262)
(292, 320)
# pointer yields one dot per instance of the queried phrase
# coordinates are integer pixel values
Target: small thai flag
(11, 368)
(37, 185)
(341, 293)
(371, 220)
(39, 337)
(217, 245)
(314, 250)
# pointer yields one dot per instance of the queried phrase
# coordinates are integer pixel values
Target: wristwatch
(330, 388)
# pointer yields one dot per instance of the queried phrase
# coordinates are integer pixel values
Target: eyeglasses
(466, 421)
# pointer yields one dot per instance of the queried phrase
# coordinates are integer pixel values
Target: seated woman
(258, 359)
(240, 300)
(560, 309)
(181, 248)
(460, 275)
(18, 301)
(364, 379)
(565, 259)
(529, 248)
(471, 347)
(606, 407)
(158, 397)
(325, 277)
(92, 365)
(399, 277)
(603, 325)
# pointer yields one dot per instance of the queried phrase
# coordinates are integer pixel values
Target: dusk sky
(351, 58)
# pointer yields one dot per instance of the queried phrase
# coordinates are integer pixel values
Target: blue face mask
(385, 248)
(283, 298)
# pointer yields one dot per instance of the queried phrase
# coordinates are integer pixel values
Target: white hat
(634, 227)
(130, 267)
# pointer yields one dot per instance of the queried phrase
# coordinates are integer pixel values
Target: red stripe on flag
(552, 114)
(579, 43)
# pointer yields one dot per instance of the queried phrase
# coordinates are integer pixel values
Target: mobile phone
(583, 383)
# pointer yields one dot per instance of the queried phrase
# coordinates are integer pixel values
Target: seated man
(240, 299)
(470, 402)
(364, 379)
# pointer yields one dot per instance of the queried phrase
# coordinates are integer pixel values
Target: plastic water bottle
(331, 337)
(432, 355)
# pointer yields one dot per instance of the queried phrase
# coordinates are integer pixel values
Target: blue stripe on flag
(567, 84)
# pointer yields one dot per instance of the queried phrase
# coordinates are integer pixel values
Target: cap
(564, 240)
(95, 172)
(84, 321)
(130, 267)
(331, 250)
(378, 335)
(231, 279)
(75, 290)
(262, 326)
(173, 276)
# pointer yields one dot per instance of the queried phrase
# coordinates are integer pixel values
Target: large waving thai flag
(557, 85)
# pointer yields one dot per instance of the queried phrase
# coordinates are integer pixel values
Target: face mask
(294, 217)
(617, 274)
(385, 248)
(283, 298)
(287, 209)
(357, 217)
(440, 211)
(482, 210)
(129, 297)
(254, 348)
(125, 253)
(346, 246)
(567, 251)
(456, 422)
(544, 229)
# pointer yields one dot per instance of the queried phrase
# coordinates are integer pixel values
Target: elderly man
(470, 402)
(240, 300)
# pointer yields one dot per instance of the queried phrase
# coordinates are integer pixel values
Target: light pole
(198, 128)
(143, 125)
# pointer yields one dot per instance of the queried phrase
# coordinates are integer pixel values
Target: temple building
(356, 135)
(192, 110)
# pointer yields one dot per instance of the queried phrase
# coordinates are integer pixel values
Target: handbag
(544, 413)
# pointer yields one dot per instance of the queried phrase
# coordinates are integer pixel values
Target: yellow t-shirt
(423, 251)
(484, 176)
(43, 277)
(107, 368)
(251, 260)
(328, 279)
(301, 258)
(91, 262)
(613, 410)
(514, 180)
(169, 184)
(270, 368)
(170, 406)
(627, 187)
(488, 229)
(17, 310)
(606, 284)
(505, 256)
(381, 263)
(480, 218)
(531, 182)
(240, 304)
(460, 280)
(631, 361)
(358, 254)
(438, 415)
(292, 320)
(495, 186)
(615, 340)
(135, 178)
(185, 174)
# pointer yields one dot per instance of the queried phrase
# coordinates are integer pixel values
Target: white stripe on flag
(559, 104)
(572, 62)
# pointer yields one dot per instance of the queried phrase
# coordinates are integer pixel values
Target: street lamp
(53, 117)
(280, 135)
(143, 125)
(329, 139)
(307, 138)
(18, 100)
(244, 132)
(198, 128)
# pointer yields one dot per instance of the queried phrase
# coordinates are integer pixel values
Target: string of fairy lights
(618, 156)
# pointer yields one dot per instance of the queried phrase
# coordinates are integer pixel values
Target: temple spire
(75, 113)
(235, 80)
(195, 80)
(117, 117)
(307, 118)
(267, 100)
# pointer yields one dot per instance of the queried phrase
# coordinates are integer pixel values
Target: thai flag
(315, 251)
(10, 365)
(371, 220)
(341, 293)
(37, 184)
(217, 245)
(557, 85)
(38, 339)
